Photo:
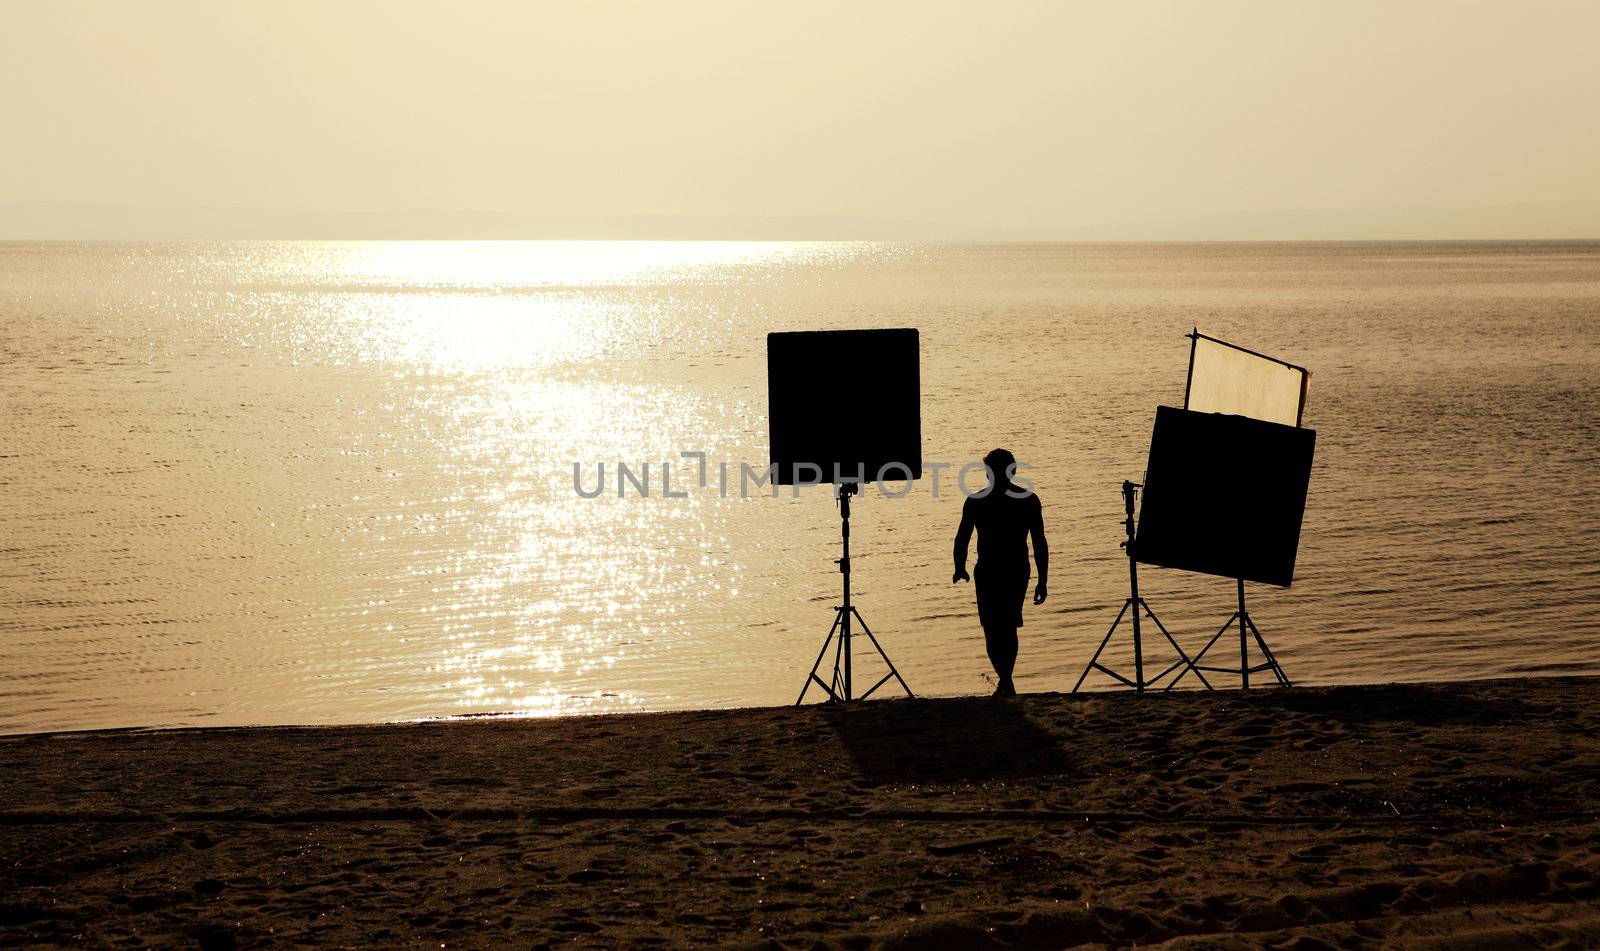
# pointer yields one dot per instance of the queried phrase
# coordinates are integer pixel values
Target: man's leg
(1001, 642)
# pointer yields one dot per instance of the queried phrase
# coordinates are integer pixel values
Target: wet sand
(1448, 816)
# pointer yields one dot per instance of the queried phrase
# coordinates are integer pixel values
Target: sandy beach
(1459, 815)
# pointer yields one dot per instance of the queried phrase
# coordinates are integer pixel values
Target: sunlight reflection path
(543, 594)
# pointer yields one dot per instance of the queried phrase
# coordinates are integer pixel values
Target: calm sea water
(310, 483)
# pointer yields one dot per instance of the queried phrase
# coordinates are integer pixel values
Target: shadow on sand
(1419, 704)
(916, 741)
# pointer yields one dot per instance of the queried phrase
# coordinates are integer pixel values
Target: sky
(1078, 120)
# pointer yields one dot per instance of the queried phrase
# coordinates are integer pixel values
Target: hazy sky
(1120, 118)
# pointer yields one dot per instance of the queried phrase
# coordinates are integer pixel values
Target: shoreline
(1312, 817)
(513, 716)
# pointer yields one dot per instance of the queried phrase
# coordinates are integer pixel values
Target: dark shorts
(1000, 595)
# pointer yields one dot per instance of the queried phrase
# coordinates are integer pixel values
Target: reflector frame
(1227, 378)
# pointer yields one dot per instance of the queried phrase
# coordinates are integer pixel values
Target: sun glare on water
(534, 596)
(496, 305)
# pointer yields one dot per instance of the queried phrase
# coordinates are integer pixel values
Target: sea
(310, 483)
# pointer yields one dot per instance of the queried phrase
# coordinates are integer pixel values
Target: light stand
(1247, 627)
(1131, 607)
(839, 690)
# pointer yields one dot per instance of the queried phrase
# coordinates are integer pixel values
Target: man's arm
(963, 536)
(1041, 553)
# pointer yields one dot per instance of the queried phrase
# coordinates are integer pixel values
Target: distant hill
(85, 221)
(77, 221)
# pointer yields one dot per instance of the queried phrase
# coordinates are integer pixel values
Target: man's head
(1000, 463)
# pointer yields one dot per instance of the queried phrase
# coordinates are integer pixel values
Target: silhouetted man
(1005, 515)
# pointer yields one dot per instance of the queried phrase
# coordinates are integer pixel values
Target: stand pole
(1134, 600)
(844, 569)
(841, 690)
(1244, 643)
(1136, 604)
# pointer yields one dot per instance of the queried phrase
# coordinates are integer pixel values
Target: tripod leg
(820, 654)
(1277, 669)
(1183, 659)
(881, 653)
(1098, 650)
(1194, 665)
(1188, 664)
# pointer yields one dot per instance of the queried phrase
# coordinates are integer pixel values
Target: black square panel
(847, 401)
(1224, 495)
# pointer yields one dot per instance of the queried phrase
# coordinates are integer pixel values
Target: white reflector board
(1227, 379)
